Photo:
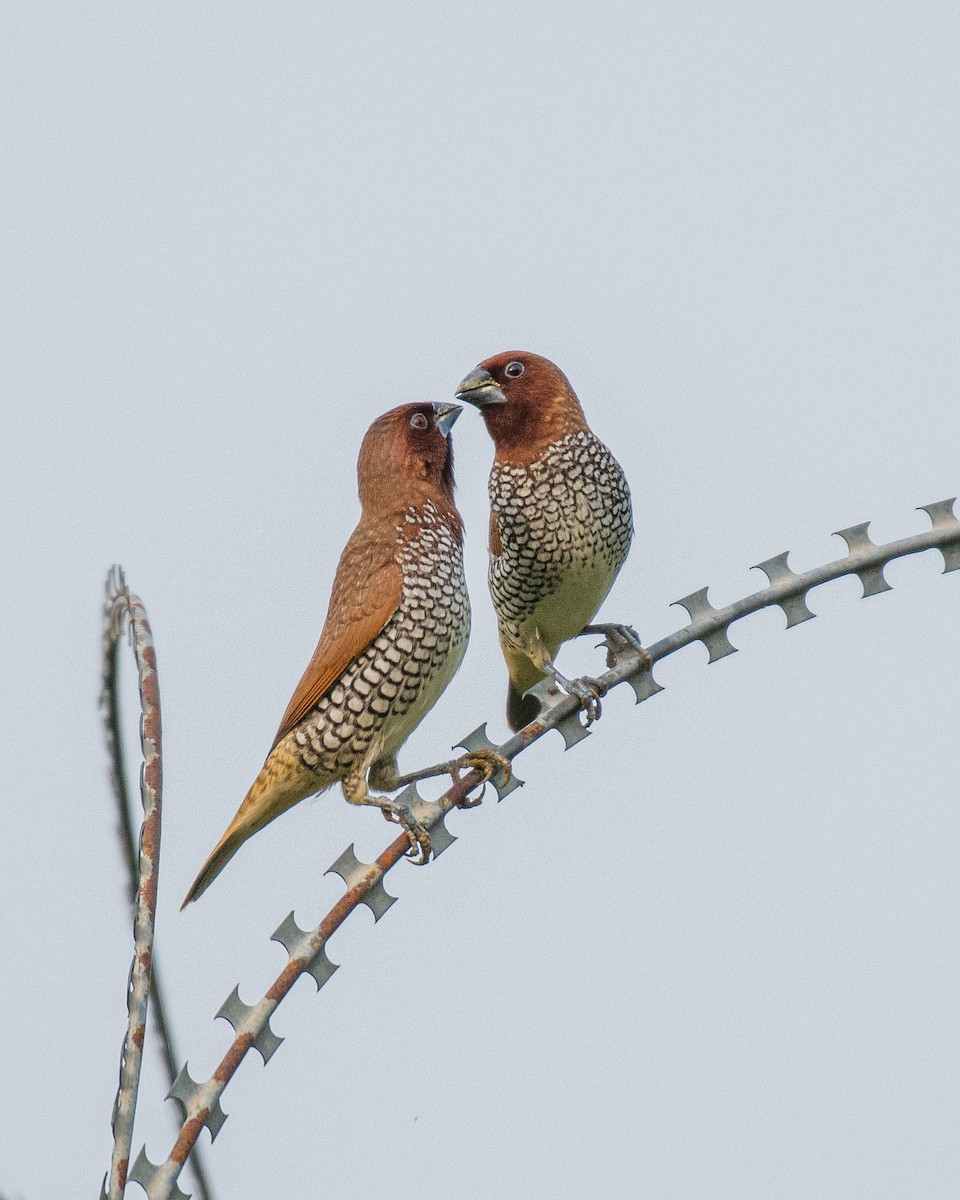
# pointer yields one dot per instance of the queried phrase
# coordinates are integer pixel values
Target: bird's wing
(366, 593)
(496, 543)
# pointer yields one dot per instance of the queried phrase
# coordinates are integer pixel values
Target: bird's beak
(446, 416)
(480, 388)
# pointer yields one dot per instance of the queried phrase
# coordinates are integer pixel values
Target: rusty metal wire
(117, 615)
(125, 612)
(364, 881)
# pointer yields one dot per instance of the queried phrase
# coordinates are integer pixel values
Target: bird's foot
(488, 762)
(587, 690)
(400, 813)
(355, 790)
(620, 638)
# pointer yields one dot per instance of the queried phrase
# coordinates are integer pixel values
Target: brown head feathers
(541, 405)
(406, 457)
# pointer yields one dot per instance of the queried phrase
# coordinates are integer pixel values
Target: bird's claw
(488, 763)
(620, 638)
(589, 692)
(420, 845)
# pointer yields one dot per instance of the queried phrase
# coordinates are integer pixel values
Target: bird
(395, 633)
(561, 524)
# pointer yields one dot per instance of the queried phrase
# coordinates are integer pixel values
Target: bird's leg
(620, 638)
(588, 691)
(356, 791)
(384, 774)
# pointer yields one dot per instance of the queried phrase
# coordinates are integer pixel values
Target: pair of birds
(399, 615)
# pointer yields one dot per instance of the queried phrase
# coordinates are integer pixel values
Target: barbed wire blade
(701, 612)
(245, 1018)
(644, 685)
(943, 518)
(145, 1173)
(290, 936)
(321, 968)
(185, 1091)
(780, 575)
(860, 544)
(355, 873)
(298, 944)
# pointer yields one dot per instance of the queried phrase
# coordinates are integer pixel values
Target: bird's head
(526, 401)
(407, 455)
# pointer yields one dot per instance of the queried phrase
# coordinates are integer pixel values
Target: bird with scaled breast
(396, 631)
(561, 524)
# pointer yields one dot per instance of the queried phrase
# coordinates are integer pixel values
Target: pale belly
(564, 612)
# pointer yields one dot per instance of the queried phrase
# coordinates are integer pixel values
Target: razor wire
(306, 949)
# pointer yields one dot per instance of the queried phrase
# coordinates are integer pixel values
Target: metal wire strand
(124, 612)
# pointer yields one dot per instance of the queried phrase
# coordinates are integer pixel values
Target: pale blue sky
(713, 950)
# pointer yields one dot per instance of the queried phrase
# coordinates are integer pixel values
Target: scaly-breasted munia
(396, 630)
(560, 522)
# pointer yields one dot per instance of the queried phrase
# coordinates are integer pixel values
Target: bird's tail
(225, 849)
(521, 710)
(282, 782)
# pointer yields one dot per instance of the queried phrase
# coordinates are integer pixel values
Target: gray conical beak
(480, 388)
(446, 416)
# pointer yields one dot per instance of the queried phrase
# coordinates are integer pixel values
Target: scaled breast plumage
(567, 511)
(386, 689)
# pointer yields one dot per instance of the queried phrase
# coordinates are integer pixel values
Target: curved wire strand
(124, 612)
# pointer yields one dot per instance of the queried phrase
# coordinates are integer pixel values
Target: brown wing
(366, 593)
(496, 545)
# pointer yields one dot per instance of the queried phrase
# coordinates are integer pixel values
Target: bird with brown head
(395, 633)
(561, 523)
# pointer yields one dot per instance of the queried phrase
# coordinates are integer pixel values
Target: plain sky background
(713, 951)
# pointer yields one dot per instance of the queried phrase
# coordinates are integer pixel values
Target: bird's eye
(418, 421)
(513, 369)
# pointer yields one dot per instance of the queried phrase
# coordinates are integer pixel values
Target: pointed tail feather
(282, 782)
(225, 849)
